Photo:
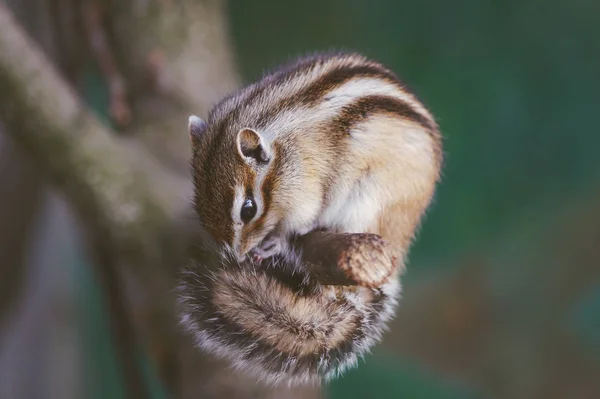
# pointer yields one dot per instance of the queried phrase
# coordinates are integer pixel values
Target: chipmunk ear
(252, 146)
(196, 128)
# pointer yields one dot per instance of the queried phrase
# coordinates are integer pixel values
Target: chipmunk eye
(248, 210)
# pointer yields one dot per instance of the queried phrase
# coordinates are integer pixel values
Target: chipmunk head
(235, 177)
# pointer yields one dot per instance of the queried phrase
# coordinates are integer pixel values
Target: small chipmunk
(331, 141)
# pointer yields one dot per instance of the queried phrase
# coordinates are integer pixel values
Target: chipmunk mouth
(267, 247)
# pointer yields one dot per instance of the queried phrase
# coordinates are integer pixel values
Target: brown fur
(299, 326)
(332, 141)
(279, 324)
(313, 161)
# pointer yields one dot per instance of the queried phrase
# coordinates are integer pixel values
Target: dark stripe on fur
(341, 75)
(367, 106)
(268, 186)
(331, 80)
(268, 82)
(214, 194)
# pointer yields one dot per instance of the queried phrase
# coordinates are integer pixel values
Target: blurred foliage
(586, 318)
(388, 378)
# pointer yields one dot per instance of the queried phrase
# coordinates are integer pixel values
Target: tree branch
(108, 176)
(127, 200)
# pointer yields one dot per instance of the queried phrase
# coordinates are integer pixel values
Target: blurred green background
(502, 295)
(515, 86)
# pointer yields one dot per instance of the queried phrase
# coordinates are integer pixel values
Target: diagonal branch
(125, 198)
(113, 181)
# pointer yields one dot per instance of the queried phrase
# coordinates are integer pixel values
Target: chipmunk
(329, 142)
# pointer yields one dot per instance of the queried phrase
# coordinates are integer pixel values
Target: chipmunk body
(331, 141)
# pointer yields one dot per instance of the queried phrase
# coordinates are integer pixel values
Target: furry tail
(277, 323)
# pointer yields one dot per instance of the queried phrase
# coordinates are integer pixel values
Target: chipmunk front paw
(270, 246)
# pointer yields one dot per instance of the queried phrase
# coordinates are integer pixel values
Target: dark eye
(248, 210)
